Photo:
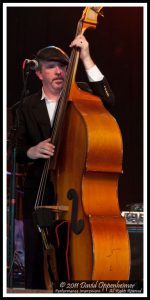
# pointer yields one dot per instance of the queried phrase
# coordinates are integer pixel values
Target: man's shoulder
(32, 98)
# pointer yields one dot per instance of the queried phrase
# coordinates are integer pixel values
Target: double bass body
(88, 168)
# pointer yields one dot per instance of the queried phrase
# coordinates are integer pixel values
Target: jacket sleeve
(22, 140)
(103, 90)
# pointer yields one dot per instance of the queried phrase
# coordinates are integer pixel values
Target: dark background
(117, 48)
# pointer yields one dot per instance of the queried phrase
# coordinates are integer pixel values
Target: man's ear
(39, 75)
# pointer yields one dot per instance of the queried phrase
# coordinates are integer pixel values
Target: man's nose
(58, 69)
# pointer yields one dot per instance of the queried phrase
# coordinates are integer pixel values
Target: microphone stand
(12, 202)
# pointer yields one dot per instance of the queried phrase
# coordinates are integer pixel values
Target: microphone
(30, 64)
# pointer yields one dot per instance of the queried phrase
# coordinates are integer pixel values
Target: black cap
(52, 53)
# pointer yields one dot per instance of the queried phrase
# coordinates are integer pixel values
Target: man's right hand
(42, 150)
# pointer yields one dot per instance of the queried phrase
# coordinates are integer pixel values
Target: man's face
(52, 75)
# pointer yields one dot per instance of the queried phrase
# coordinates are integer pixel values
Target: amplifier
(133, 217)
(136, 248)
(134, 220)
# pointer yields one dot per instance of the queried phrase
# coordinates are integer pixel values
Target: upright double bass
(86, 171)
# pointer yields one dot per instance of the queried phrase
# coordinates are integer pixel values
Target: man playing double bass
(34, 145)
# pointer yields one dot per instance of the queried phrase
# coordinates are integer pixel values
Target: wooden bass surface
(89, 165)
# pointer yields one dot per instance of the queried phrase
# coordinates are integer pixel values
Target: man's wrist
(88, 63)
(29, 153)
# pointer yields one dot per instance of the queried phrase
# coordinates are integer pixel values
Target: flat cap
(52, 53)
